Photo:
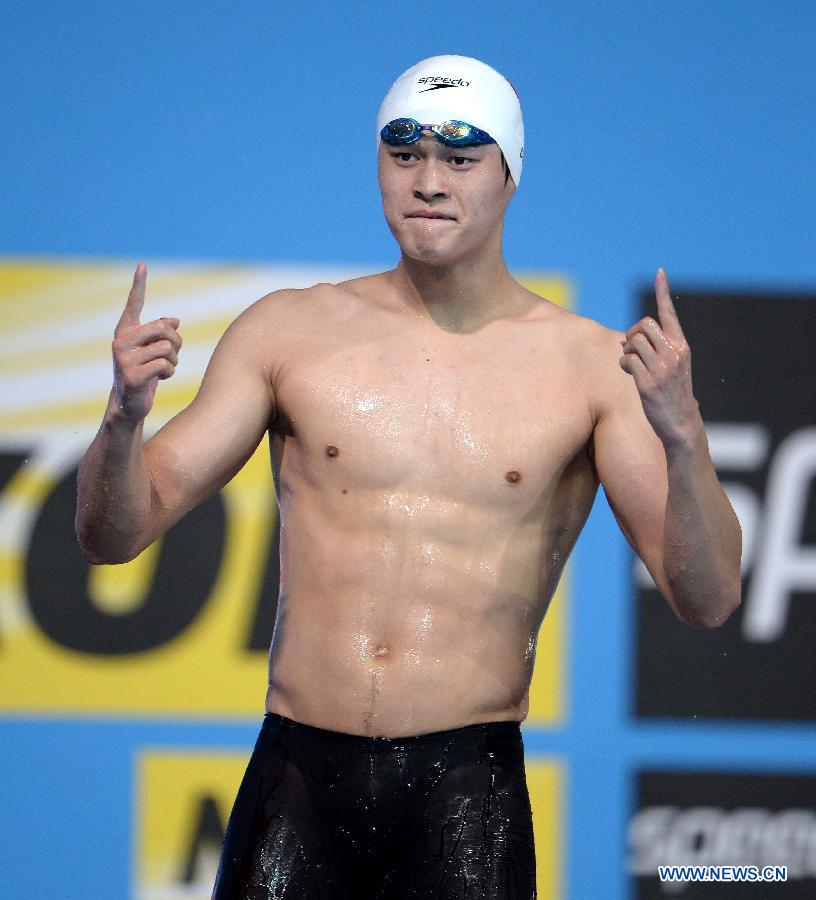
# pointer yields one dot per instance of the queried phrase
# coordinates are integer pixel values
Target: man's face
(442, 203)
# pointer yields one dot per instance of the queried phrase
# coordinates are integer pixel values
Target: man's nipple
(331, 450)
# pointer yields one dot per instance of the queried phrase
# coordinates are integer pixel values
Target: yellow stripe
(11, 571)
(38, 360)
(169, 401)
(29, 302)
(548, 686)
(25, 280)
(545, 782)
(29, 485)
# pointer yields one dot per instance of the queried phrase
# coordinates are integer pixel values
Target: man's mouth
(427, 214)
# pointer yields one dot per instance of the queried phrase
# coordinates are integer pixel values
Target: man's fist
(142, 354)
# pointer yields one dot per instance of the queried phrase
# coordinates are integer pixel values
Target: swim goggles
(453, 133)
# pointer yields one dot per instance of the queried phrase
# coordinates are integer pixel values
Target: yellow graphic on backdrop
(184, 801)
(55, 384)
(545, 782)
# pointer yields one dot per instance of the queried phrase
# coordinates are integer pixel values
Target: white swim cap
(459, 87)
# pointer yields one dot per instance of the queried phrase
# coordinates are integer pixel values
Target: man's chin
(435, 260)
(431, 252)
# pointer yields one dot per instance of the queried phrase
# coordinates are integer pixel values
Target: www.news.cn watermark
(722, 873)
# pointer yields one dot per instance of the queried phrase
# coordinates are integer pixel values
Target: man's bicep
(631, 466)
(198, 451)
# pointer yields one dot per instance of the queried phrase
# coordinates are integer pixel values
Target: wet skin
(431, 486)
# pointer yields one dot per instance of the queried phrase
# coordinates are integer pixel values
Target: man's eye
(461, 160)
(403, 157)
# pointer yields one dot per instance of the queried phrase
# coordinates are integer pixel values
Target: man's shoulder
(291, 299)
(603, 346)
(587, 332)
(608, 386)
(595, 351)
(294, 306)
(302, 299)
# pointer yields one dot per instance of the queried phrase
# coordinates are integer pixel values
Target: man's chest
(479, 419)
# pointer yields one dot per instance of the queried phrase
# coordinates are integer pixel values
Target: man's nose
(431, 181)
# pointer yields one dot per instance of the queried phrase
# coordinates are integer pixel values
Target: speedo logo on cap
(437, 81)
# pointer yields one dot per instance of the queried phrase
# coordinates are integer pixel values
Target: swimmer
(437, 435)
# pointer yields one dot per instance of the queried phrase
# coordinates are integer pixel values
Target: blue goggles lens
(453, 133)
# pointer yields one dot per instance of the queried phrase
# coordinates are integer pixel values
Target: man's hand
(142, 354)
(658, 357)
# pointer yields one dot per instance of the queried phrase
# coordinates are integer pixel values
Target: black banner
(754, 373)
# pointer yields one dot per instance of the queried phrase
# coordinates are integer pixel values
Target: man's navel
(381, 651)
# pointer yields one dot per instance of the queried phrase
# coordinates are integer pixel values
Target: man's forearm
(114, 491)
(702, 540)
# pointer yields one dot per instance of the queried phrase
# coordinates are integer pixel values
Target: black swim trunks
(324, 814)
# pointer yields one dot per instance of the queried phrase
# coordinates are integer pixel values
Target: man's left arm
(652, 458)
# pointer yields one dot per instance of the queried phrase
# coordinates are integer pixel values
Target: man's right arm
(129, 492)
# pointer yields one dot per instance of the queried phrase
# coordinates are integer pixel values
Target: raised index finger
(135, 301)
(666, 312)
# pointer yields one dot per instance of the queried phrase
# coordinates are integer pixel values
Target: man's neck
(460, 297)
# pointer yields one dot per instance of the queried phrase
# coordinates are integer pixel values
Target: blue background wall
(674, 134)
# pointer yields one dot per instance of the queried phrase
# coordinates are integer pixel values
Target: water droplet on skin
(368, 402)
(427, 618)
(531, 645)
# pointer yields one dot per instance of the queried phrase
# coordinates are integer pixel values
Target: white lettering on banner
(770, 536)
(783, 564)
(710, 835)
